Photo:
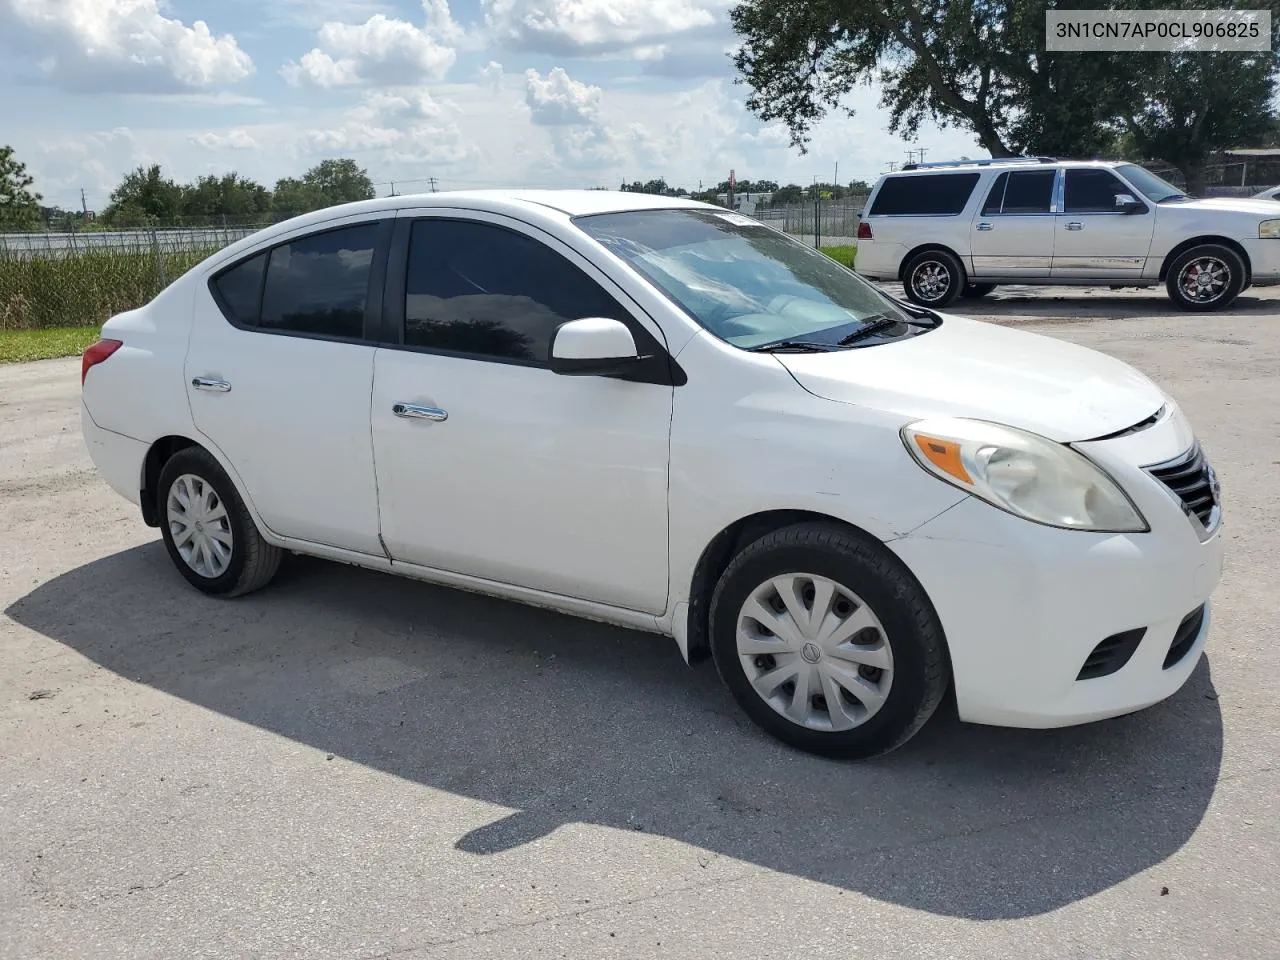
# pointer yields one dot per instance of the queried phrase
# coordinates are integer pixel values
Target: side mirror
(593, 346)
(1128, 203)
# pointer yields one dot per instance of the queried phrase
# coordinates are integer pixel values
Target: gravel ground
(350, 765)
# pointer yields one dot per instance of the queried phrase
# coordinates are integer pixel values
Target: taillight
(864, 230)
(96, 353)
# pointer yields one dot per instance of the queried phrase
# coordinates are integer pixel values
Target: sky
(473, 93)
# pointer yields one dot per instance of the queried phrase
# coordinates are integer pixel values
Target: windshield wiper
(870, 327)
(811, 346)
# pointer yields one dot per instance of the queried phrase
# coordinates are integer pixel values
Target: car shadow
(564, 721)
(1086, 304)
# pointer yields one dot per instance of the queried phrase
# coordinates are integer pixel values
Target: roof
(1012, 163)
(574, 203)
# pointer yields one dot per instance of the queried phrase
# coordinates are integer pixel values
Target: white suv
(955, 229)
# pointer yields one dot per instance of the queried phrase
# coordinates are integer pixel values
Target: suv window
(1092, 191)
(480, 289)
(933, 194)
(1022, 191)
(320, 284)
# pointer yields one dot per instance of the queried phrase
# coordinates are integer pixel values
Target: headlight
(1269, 230)
(1023, 473)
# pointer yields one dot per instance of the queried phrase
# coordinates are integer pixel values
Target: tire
(974, 291)
(225, 554)
(1215, 274)
(904, 671)
(933, 278)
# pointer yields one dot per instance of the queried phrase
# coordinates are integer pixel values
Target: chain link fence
(820, 222)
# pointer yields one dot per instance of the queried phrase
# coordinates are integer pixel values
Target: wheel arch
(721, 550)
(924, 248)
(159, 453)
(1227, 242)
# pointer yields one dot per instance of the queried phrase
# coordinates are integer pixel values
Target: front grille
(1192, 481)
(1111, 654)
(1184, 637)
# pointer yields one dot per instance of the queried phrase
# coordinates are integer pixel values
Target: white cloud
(120, 45)
(575, 26)
(559, 100)
(491, 75)
(440, 22)
(380, 50)
(231, 140)
(403, 126)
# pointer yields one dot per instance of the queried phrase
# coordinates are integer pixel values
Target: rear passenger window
(319, 284)
(1029, 191)
(479, 289)
(240, 290)
(937, 194)
(995, 199)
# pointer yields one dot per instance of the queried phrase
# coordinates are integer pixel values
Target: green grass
(845, 254)
(18, 346)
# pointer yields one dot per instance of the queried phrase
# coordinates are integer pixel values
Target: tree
(339, 181)
(791, 193)
(144, 196)
(292, 196)
(230, 197)
(982, 65)
(19, 204)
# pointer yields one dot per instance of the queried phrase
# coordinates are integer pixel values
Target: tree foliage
(19, 204)
(982, 65)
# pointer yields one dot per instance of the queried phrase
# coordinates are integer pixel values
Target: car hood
(1250, 205)
(967, 368)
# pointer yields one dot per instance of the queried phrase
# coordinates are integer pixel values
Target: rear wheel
(933, 278)
(1204, 278)
(972, 291)
(828, 642)
(208, 532)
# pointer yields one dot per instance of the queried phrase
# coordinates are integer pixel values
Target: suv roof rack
(976, 163)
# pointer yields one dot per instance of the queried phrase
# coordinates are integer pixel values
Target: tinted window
(995, 199)
(1029, 191)
(320, 284)
(938, 193)
(479, 289)
(241, 290)
(1092, 191)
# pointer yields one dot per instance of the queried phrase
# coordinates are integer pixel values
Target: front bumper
(1024, 605)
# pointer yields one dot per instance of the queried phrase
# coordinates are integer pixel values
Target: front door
(489, 464)
(1012, 235)
(279, 372)
(1092, 239)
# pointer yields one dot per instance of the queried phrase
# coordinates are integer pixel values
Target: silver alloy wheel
(814, 651)
(199, 525)
(930, 280)
(1204, 279)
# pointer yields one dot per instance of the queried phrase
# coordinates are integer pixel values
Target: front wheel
(828, 642)
(933, 278)
(208, 532)
(1204, 278)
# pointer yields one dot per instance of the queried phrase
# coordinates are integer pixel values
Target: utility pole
(835, 179)
(393, 188)
(921, 152)
(84, 204)
(892, 165)
(432, 181)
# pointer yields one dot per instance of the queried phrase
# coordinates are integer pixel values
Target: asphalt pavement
(351, 765)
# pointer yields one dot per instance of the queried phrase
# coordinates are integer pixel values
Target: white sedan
(667, 416)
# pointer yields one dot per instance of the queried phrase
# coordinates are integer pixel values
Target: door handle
(416, 411)
(215, 386)
(1075, 225)
(986, 226)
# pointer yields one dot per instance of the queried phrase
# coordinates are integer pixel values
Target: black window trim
(373, 306)
(659, 367)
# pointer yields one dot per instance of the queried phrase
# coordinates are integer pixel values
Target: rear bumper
(118, 458)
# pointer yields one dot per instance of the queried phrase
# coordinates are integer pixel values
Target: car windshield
(746, 283)
(1153, 188)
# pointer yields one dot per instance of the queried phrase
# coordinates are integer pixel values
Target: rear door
(1013, 234)
(1093, 239)
(279, 374)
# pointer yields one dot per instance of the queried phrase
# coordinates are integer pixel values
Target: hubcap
(930, 280)
(199, 525)
(1204, 279)
(814, 651)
